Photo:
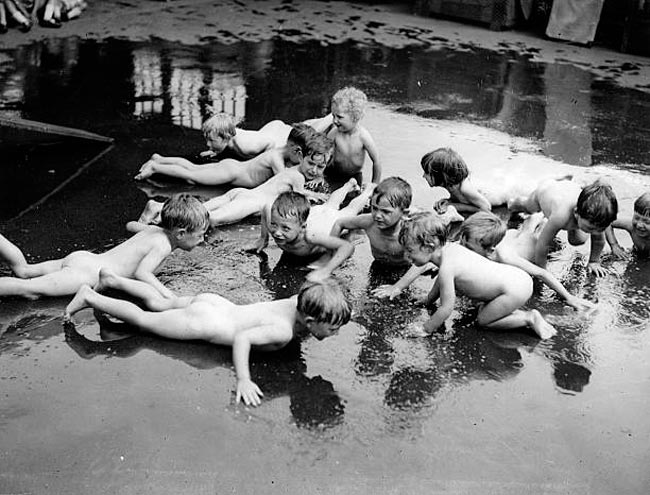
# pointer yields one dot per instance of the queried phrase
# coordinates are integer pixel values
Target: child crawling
(184, 222)
(320, 309)
(502, 288)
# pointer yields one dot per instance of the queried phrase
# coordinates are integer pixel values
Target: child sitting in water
(184, 221)
(486, 234)
(580, 211)
(304, 231)
(250, 173)
(351, 140)
(239, 203)
(503, 288)
(445, 168)
(319, 308)
(638, 227)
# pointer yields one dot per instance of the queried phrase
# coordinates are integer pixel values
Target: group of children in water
(277, 172)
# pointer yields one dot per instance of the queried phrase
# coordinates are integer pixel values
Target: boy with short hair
(351, 140)
(249, 174)
(503, 288)
(486, 234)
(304, 230)
(638, 227)
(580, 211)
(184, 222)
(319, 308)
(239, 203)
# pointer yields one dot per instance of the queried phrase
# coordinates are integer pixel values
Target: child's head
(289, 214)
(421, 234)
(389, 201)
(482, 231)
(642, 205)
(324, 307)
(641, 217)
(219, 130)
(186, 219)
(316, 155)
(444, 167)
(597, 207)
(348, 108)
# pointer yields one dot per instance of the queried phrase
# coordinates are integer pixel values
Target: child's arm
(247, 390)
(546, 236)
(392, 291)
(342, 251)
(617, 251)
(509, 258)
(444, 288)
(597, 245)
(350, 223)
(371, 148)
(263, 240)
(474, 197)
(146, 267)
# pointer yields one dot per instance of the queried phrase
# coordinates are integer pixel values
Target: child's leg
(502, 313)
(173, 323)
(527, 204)
(355, 206)
(152, 299)
(60, 283)
(220, 201)
(16, 260)
(211, 174)
(337, 197)
(237, 209)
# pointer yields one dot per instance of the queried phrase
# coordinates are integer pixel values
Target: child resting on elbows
(582, 212)
(502, 288)
(351, 140)
(319, 309)
(303, 230)
(486, 234)
(638, 227)
(183, 224)
(249, 174)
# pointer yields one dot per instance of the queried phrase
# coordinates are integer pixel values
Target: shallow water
(368, 409)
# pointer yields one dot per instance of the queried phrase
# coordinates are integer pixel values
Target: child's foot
(145, 171)
(352, 185)
(151, 212)
(156, 156)
(541, 327)
(107, 279)
(79, 302)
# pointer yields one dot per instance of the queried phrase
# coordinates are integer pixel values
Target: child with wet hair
(444, 167)
(503, 289)
(303, 230)
(249, 174)
(582, 212)
(184, 222)
(486, 234)
(319, 309)
(239, 203)
(638, 227)
(351, 140)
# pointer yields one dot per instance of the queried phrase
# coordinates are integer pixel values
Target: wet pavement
(367, 410)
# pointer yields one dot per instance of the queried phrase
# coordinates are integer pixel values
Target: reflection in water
(556, 103)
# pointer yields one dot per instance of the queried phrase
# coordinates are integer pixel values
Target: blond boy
(319, 309)
(184, 221)
(351, 141)
(502, 288)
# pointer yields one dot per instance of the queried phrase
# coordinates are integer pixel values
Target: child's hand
(416, 330)
(248, 392)
(597, 269)
(318, 275)
(580, 304)
(619, 253)
(389, 291)
(207, 154)
(256, 248)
